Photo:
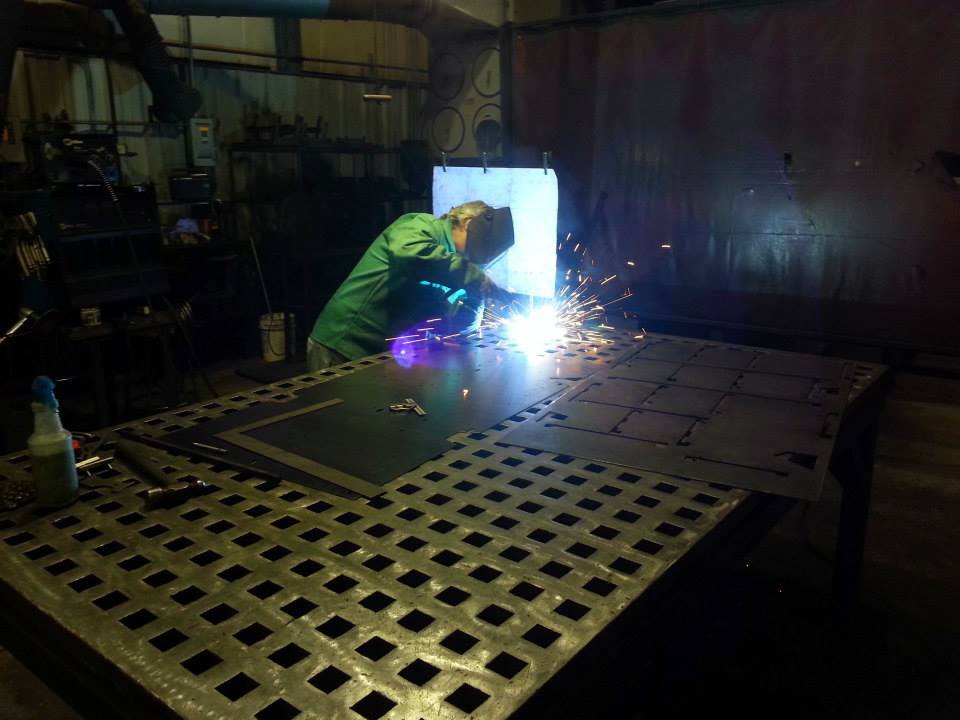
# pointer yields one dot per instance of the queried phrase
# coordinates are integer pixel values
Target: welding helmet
(489, 235)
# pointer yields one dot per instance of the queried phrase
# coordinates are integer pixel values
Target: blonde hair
(461, 213)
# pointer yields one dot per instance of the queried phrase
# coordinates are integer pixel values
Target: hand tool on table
(408, 405)
(151, 461)
(220, 458)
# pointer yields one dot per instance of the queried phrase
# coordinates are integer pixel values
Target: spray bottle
(51, 450)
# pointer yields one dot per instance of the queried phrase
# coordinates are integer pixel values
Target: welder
(419, 268)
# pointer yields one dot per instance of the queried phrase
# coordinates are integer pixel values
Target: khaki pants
(320, 357)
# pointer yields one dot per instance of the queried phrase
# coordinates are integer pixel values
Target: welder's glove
(500, 297)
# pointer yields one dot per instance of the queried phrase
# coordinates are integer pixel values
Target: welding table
(465, 589)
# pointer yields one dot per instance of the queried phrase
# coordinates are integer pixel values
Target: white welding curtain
(768, 164)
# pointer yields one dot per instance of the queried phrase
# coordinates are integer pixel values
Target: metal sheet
(769, 431)
(358, 445)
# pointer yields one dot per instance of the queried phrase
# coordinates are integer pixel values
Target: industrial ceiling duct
(173, 99)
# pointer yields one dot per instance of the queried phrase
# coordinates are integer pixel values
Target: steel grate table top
(457, 593)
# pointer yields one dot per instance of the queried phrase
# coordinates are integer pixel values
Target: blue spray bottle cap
(43, 392)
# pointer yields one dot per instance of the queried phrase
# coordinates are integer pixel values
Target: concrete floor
(758, 641)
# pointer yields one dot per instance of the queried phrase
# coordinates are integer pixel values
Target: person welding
(419, 268)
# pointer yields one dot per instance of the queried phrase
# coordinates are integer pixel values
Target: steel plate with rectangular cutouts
(747, 417)
(459, 592)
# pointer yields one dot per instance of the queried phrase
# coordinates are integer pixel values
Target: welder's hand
(500, 296)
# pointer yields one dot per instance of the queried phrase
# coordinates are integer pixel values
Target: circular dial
(447, 74)
(448, 129)
(486, 72)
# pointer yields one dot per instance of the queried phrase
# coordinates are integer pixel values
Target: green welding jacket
(396, 286)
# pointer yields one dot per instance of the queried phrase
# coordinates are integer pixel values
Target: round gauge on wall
(447, 74)
(486, 72)
(448, 129)
(487, 128)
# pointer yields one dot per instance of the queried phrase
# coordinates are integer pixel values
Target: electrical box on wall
(11, 144)
(201, 143)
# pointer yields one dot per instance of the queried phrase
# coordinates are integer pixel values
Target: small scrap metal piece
(408, 405)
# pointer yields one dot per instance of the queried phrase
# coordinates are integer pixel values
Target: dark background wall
(784, 152)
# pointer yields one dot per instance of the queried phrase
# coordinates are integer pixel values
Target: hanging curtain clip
(443, 160)
(483, 158)
(546, 161)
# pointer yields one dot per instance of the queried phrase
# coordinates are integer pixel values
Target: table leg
(854, 470)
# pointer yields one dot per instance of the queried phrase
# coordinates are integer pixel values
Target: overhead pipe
(173, 99)
(428, 16)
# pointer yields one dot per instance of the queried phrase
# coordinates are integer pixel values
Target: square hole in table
(495, 615)
(571, 609)
(377, 601)
(137, 619)
(313, 534)
(467, 698)
(514, 553)
(279, 709)
(168, 640)
(485, 573)
(452, 595)
(253, 633)
(218, 614)
(306, 568)
(419, 672)
(376, 648)
(84, 583)
(201, 662)
(413, 578)
(506, 665)
(541, 636)
(378, 562)
(111, 600)
(234, 573)
(237, 686)
(373, 706)
(477, 539)
(415, 620)
(289, 655)
(340, 584)
(459, 642)
(329, 679)
(159, 578)
(344, 548)
(134, 562)
(265, 589)
(335, 627)
(207, 557)
(627, 567)
(277, 552)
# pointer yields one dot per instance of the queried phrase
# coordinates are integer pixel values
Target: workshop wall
(51, 84)
(768, 165)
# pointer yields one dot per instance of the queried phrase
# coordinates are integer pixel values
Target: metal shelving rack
(291, 265)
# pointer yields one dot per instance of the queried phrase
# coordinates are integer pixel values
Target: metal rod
(292, 58)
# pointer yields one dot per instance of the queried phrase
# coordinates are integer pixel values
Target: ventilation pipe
(173, 99)
(428, 16)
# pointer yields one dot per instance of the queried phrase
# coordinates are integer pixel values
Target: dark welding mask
(489, 235)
